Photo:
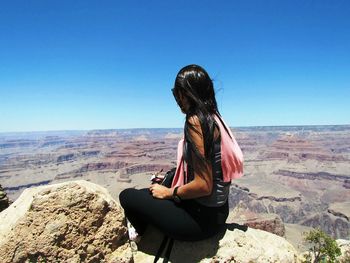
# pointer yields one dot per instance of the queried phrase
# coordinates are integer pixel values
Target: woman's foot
(133, 235)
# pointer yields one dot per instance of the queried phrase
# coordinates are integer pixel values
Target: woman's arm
(202, 184)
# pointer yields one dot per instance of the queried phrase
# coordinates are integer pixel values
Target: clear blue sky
(111, 64)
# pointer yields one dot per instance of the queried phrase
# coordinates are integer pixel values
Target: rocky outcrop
(340, 209)
(89, 167)
(130, 168)
(333, 220)
(79, 222)
(65, 157)
(23, 186)
(339, 214)
(233, 244)
(289, 209)
(4, 200)
(142, 168)
(68, 222)
(90, 153)
(25, 161)
(103, 166)
(313, 176)
(268, 222)
(124, 169)
(18, 143)
(50, 141)
(334, 226)
(122, 176)
(347, 184)
(276, 199)
(344, 246)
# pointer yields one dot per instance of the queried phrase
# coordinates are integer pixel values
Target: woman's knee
(125, 196)
(133, 197)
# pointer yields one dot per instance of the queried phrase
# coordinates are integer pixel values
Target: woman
(196, 206)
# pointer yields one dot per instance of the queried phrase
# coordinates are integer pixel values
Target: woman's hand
(160, 191)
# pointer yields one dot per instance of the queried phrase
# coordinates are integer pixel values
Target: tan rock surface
(232, 245)
(344, 246)
(80, 222)
(73, 221)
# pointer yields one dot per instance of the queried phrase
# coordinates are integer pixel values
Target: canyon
(300, 173)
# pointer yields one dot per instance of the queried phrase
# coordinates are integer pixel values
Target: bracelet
(176, 197)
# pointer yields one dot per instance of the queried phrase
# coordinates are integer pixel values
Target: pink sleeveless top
(231, 156)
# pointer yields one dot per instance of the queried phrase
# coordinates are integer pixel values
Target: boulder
(67, 222)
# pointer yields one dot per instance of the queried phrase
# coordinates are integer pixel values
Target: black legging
(187, 221)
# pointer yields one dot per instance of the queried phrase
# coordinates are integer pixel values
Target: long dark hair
(194, 84)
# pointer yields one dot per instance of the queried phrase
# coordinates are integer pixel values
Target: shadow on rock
(182, 251)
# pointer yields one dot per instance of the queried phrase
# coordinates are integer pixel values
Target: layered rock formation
(300, 173)
(94, 156)
(79, 222)
(295, 209)
(313, 176)
(295, 148)
(341, 210)
(268, 222)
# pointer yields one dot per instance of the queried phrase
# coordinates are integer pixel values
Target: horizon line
(149, 128)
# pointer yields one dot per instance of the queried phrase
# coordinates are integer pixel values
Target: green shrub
(323, 248)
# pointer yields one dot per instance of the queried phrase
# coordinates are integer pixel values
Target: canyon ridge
(301, 173)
